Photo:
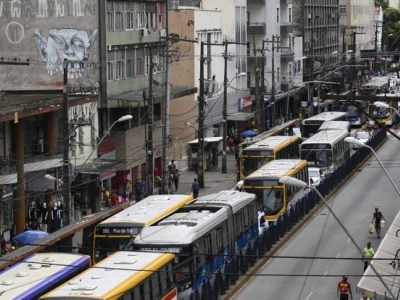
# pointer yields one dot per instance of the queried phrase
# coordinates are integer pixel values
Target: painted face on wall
(70, 44)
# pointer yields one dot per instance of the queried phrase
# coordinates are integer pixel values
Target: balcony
(286, 28)
(287, 57)
(256, 28)
(286, 1)
(256, 2)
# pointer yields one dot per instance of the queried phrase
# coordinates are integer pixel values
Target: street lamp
(385, 105)
(357, 142)
(225, 119)
(301, 184)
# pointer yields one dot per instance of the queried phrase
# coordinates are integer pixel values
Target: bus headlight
(97, 253)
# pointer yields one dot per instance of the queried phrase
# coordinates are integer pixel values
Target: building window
(119, 21)
(110, 66)
(110, 21)
(290, 14)
(342, 9)
(277, 15)
(278, 72)
(130, 21)
(140, 62)
(120, 69)
(130, 63)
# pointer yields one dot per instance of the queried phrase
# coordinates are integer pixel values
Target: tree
(391, 29)
(383, 3)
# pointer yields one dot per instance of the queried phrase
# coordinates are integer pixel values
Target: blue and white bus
(204, 236)
(40, 273)
(355, 115)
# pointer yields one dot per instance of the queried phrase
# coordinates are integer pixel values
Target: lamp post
(354, 141)
(301, 184)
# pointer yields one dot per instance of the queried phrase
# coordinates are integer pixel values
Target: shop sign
(303, 103)
(245, 103)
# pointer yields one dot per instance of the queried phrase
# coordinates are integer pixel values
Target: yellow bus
(270, 148)
(384, 115)
(119, 231)
(274, 198)
(122, 276)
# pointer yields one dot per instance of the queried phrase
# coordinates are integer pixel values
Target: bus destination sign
(171, 250)
(117, 230)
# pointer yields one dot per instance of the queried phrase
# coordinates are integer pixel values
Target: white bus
(326, 150)
(335, 125)
(377, 85)
(310, 126)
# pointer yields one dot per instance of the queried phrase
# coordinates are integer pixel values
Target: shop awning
(240, 116)
(207, 140)
(105, 168)
(32, 167)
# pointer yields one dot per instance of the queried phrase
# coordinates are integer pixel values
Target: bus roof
(147, 211)
(39, 272)
(334, 125)
(110, 278)
(186, 226)
(272, 142)
(327, 136)
(277, 168)
(326, 116)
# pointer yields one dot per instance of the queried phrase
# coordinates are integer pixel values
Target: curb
(259, 264)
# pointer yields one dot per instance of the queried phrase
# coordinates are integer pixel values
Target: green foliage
(391, 29)
(383, 3)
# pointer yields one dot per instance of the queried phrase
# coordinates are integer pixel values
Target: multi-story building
(265, 19)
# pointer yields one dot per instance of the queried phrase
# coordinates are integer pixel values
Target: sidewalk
(214, 181)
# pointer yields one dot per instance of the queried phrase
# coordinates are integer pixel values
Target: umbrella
(249, 133)
(28, 237)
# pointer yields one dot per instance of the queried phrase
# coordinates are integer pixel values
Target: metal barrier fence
(218, 283)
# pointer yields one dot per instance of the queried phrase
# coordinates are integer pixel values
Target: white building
(379, 24)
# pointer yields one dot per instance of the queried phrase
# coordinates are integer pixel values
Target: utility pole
(150, 150)
(66, 191)
(224, 110)
(258, 99)
(166, 119)
(200, 132)
(272, 100)
(263, 83)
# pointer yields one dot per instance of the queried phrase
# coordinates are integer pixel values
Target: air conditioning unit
(309, 16)
(143, 32)
(163, 33)
(109, 47)
(206, 87)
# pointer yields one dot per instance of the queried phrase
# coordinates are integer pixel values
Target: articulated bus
(124, 275)
(274, 147)
(354, 115)
(376, 86)
(335, 125)
(118, 232)
(310, 126)
(385, 116)
(326, 150)
(204, 235)
(40, 273)
(274, 198)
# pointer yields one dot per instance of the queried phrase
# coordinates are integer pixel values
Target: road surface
(309, 279)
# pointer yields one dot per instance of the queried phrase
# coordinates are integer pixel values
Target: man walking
(138, 190)
(368, 254)
(378, 217)
(344, 289)
(195, 188)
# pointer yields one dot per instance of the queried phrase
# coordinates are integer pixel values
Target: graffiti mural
(44, 33)
(70, 44)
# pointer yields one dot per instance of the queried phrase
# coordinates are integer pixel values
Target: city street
(354, 204)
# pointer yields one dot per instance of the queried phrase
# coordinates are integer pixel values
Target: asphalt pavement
(317, 278)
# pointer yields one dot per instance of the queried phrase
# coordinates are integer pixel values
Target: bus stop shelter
(212, 146)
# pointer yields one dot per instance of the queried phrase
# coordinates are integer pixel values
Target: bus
(40, 273)
(122, 276)
(310, 126)
(274, 147)
(326, 150)
(385, 116)
(274, 198)
(354, 115)
(204, 236)
(119, 231)
(377, 85)
(335, 125)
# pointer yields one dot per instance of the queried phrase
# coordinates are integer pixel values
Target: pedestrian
(378, 217)
(368, 254)
(230, 145)
(138, 190)
(195, 188)
(176, 179)
(4, 246)
(172, 167)
(128, 189)
(107, 198)
(344, 289)
(114, 199)
(236, 153)
(144, 189)
(13, 233)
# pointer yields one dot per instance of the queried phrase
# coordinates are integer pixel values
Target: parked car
(315, 176)
(362, 136)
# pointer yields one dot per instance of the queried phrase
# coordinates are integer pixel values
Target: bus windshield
(379, 112)
(270, 199)
(352, 111)
(318, 158)
(105, 246)
(309, 130)
(251, 164)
